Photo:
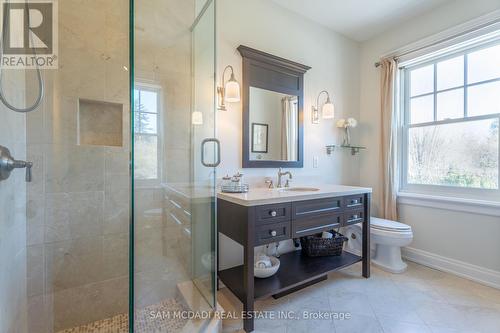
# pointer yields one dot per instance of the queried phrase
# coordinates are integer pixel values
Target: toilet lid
(383, 224)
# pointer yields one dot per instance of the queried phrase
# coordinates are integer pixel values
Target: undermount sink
(300, 189)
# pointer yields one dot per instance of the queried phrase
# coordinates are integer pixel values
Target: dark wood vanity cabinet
(251, 226)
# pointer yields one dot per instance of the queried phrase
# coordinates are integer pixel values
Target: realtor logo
(29, 34)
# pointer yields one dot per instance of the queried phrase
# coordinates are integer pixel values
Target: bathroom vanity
(264, 216)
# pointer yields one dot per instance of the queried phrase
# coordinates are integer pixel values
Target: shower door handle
(217, 161)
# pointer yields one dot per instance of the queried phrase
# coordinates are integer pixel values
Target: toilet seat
(387, 225)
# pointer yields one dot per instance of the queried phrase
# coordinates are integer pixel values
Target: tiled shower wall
(78, 202)
(13, 210)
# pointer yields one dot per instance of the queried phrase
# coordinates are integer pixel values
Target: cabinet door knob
(273, 233)
(273, 213)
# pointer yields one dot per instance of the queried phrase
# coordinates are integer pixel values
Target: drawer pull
(323, 210)
(273, 213)
(320, 227)
(355, 219)
(175, 203)
(354, 203)
(273, 233)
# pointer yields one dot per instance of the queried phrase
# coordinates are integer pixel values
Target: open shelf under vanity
(296, 269)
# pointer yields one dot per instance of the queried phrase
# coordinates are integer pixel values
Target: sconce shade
(232, 93)
(197, 118)
(328, 110)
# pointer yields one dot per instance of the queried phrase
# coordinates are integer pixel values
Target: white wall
(464, 237)
(334, 60)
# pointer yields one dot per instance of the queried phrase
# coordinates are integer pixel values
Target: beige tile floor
(422, 300)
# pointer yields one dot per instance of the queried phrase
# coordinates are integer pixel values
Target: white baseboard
(475, 273)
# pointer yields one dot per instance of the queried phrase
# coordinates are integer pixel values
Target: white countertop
(264, 196)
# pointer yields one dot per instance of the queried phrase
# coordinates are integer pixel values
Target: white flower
(351, 122)
(341, 123)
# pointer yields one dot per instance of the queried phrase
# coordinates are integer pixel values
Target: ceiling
(360, 19)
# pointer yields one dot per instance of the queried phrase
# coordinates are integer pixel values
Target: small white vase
(347, 137)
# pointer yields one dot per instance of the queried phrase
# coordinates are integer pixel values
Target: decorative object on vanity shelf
(265, 266)
(323, 244)
(327, 111)
(260, 138)
(234, 184)
(347, 124)
(229, 91)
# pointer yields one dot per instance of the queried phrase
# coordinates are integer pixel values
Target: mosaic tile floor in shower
(143, 322)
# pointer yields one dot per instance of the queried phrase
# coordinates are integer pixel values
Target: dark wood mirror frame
(266, 71)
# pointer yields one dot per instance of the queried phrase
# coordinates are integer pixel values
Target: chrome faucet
(280, 174)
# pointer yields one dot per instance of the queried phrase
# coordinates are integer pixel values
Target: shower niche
(100, 123)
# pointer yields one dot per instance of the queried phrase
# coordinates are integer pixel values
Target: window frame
(403, 103)
(156, 88)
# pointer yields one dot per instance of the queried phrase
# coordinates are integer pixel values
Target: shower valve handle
(8, 163)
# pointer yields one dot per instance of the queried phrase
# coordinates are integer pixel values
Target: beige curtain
(389, 128)
(289, 128)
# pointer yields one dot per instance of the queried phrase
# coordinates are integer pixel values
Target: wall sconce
(328, 110)
(197, 118)
(230, 90)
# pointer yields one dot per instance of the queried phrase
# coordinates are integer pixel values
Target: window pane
(483, 99)
(450, 104)
(450, 73)
(484, 64)
(145, 123)
(422, 109)
(137, 123)
(146, 157)
(136, 95)
(422, 80)
(149, 101)
(461, 154)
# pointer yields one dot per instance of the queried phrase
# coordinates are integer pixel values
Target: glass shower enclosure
(110, 223)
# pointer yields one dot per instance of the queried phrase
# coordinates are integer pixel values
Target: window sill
(482, 207)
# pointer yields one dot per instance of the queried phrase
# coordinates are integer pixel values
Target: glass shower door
(206, 153)
(174, 163)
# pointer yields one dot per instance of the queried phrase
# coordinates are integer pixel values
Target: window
(147, 132)
(450, 136)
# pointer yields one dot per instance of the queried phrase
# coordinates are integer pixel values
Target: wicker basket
(315, 246)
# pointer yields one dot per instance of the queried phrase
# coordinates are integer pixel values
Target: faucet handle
(270, 183)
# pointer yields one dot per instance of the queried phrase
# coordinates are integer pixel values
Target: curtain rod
(443, 40)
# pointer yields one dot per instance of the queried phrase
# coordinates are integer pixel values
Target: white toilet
(387, 237)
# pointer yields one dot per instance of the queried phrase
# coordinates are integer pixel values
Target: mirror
(273, 101)
(274, 125)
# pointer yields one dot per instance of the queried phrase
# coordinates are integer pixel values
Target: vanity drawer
(354, 216)
(316, 224)
(354, 201)
(319, 207)
(269, 233)
(273, 213)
